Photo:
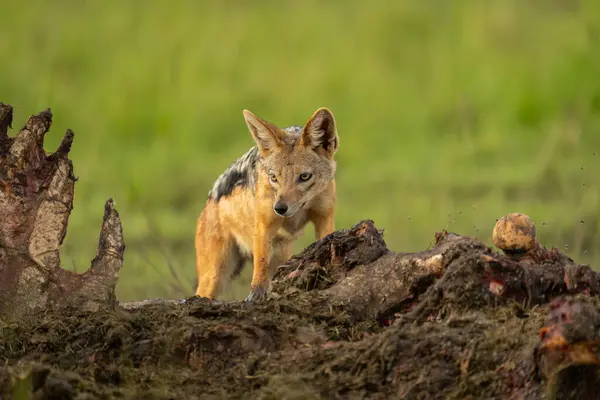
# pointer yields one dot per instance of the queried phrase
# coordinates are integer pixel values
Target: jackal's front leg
(262, 250)
(324, 224)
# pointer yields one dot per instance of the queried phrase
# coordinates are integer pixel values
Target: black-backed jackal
(257, 207)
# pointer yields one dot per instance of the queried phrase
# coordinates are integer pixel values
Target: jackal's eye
(305, 176)
(272, 178)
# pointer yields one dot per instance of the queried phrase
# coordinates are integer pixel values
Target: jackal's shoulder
(242, 172)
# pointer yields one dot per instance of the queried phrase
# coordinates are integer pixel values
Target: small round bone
(515, 234)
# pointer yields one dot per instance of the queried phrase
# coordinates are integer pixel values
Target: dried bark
(36, 199)
(355, 271)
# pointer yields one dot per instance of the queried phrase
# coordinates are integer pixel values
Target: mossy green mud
(347, 318)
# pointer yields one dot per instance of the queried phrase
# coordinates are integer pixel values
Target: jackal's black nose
(280, 208)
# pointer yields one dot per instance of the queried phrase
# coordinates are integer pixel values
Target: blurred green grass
(450, 114)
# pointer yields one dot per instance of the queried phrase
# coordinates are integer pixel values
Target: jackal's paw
(256, 294)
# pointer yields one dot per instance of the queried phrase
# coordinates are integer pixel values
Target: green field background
(450, 114)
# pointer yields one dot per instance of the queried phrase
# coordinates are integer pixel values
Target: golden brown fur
(263, 201)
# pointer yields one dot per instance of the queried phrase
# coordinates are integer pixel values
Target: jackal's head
(297, 162)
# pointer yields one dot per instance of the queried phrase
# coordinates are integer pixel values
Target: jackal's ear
(320, 132)
(265, 134)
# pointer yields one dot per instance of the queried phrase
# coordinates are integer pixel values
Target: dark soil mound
(446, 335)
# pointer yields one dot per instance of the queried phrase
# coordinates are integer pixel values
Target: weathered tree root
(355, 271)
(36, 199)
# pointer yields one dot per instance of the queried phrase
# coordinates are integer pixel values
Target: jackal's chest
(290, 230)
(292, 227)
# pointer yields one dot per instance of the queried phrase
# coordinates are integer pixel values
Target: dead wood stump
(358, 274)
(36, 199)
